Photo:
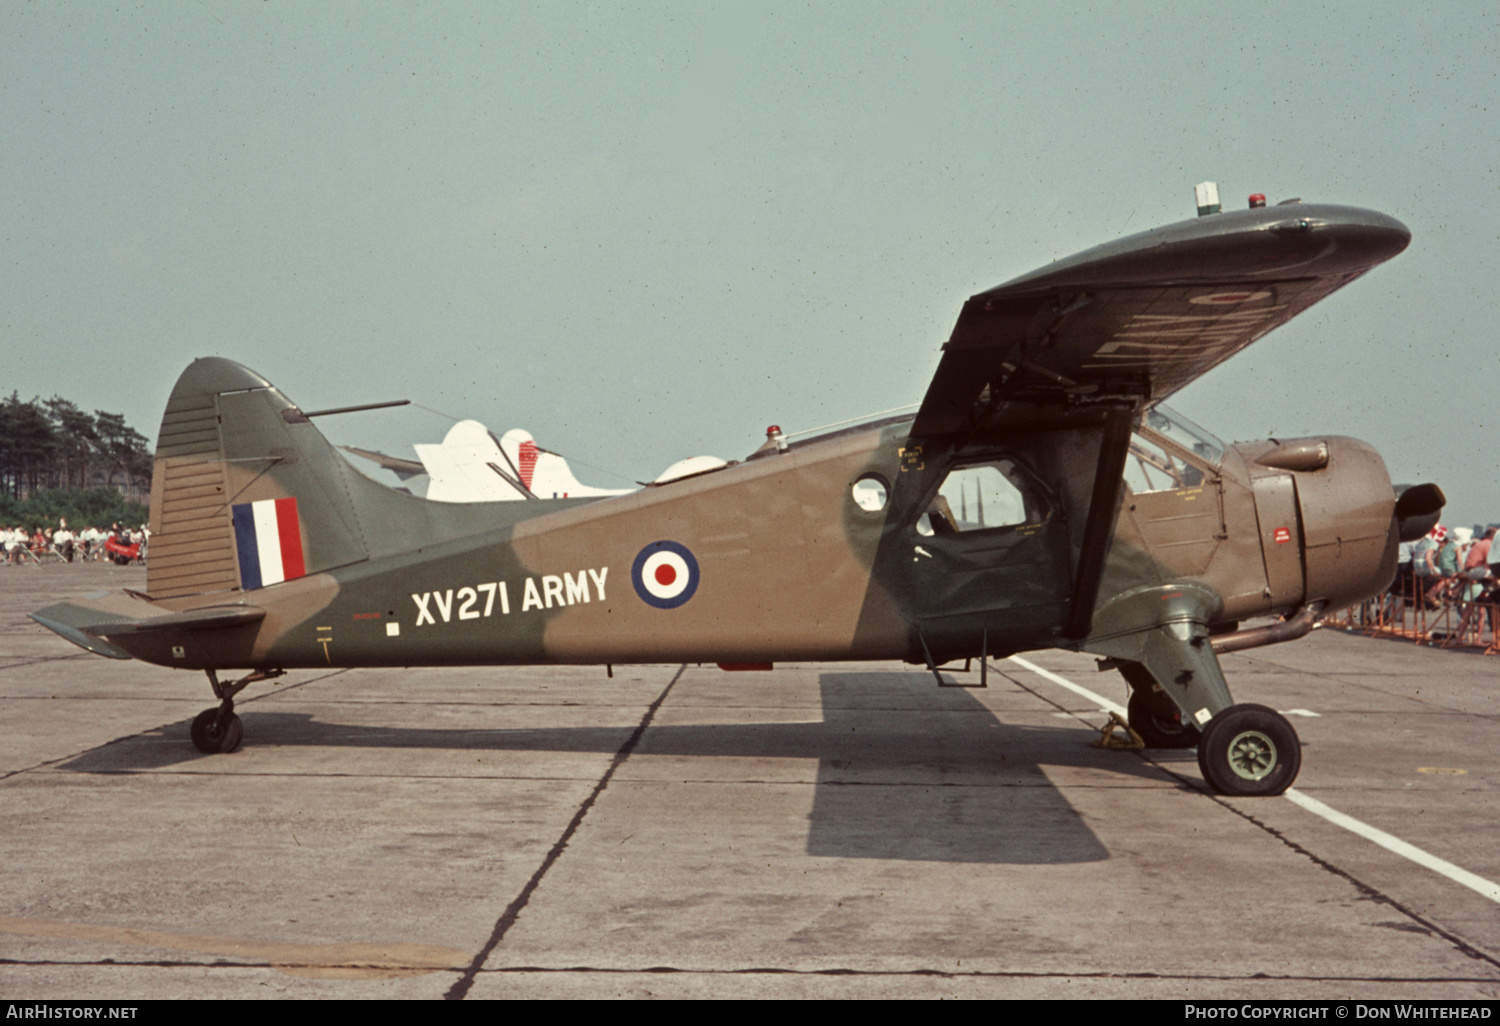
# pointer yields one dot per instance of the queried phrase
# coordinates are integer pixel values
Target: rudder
(240, 478)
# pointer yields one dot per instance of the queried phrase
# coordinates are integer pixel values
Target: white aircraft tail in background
(472, 465)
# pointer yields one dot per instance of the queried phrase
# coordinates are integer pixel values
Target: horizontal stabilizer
(98, 646)
(401, 468)
(88, 623)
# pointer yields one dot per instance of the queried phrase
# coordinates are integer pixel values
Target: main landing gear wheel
(216, 731)
(1249, 751)
(1153, 715)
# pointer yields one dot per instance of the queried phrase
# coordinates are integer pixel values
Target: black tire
(210, 738)
(122, 560)
(234, 733)
(1157, 719)
(1249, 751)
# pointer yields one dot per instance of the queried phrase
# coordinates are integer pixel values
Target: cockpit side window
(995, 495)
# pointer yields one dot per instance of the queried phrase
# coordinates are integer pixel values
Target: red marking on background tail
(528, 462)
(290, 534)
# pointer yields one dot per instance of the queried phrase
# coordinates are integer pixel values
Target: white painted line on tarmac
(1064, 682)
(1443, 867)
(1427, 860)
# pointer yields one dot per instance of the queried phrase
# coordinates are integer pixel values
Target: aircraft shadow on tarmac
(905, 771)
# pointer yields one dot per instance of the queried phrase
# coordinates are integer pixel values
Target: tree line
(50, 446)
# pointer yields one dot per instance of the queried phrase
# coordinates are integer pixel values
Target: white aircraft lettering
(566, 590)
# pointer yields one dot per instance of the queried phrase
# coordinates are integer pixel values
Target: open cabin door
(989, 558)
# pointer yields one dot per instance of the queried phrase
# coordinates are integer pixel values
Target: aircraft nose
(1349, 528)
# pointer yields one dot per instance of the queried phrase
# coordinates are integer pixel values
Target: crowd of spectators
(43, 544)
(1450, 565)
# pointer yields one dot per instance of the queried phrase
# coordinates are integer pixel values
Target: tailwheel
(220, 730)
(217, 730)
(1249, 751)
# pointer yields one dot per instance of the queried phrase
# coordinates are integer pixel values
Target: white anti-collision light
(1207, 196)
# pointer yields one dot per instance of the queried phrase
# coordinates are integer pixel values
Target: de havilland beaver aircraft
(1040, 497)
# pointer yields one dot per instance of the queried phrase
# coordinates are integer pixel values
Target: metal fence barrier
(1444, 612)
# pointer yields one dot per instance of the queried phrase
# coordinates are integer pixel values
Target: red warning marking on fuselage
(1283, 535)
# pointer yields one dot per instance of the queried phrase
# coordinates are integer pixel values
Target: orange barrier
(1430, 611)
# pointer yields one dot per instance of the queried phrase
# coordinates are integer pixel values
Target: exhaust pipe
(1297, 626)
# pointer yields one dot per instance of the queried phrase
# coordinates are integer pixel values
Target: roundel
(665, 574)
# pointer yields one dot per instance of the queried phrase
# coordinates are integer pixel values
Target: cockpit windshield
(1177, 429)
(1168, 451)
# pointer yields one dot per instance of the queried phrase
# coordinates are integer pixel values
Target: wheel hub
(1252, 755)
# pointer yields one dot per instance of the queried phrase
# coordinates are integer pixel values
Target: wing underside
(1131, 322)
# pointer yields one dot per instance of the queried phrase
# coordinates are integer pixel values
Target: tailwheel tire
(1249, 751)
(212, 738)
(1157, 719)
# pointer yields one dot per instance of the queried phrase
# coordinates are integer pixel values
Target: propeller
(1417, 509)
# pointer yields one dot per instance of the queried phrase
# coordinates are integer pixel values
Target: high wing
(1132, 321)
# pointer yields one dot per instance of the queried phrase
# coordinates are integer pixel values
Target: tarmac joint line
(316, 961)
(460, 989)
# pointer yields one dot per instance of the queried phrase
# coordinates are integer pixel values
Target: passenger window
(982, 497)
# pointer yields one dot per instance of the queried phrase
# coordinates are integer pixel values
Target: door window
(982, 497)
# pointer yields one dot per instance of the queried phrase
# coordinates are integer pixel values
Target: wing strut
(1104, 505)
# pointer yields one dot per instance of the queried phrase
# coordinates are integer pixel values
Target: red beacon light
(776, 438)
(1257, 200)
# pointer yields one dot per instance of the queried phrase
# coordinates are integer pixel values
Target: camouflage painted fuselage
(783, 563)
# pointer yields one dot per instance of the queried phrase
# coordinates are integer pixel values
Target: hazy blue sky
(645, 232)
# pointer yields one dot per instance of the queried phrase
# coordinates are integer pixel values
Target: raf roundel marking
(665, 574)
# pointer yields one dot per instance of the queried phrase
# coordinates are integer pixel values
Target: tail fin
(245, 491)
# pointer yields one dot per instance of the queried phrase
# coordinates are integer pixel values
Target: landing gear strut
(220, 730)
(1178, 693)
